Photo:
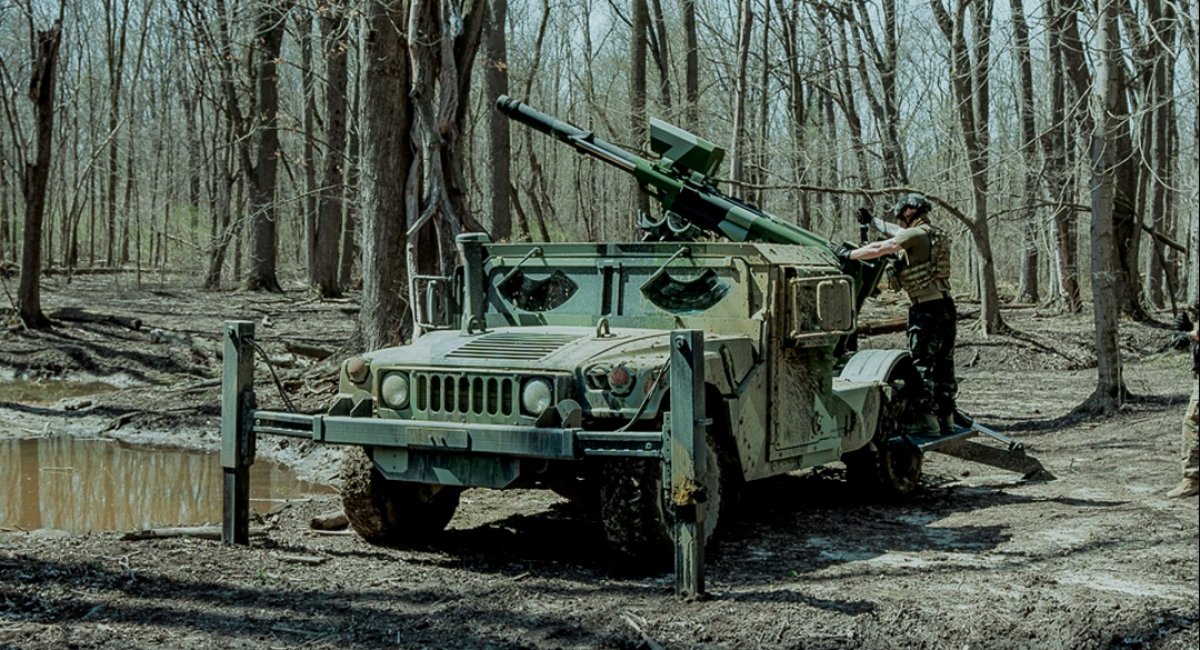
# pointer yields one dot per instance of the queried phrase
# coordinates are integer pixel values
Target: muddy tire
(887, 471)
(889, 467)
(392, 513)
(636, 517)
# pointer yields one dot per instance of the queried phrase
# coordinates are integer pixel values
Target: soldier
(923, 271)
(1190, 452)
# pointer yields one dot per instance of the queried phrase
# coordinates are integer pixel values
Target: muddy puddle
(48, 392)
(91, 485)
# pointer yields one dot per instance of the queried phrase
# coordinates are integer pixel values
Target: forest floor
(976, 559)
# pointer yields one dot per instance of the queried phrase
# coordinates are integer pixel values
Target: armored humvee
(552, 371)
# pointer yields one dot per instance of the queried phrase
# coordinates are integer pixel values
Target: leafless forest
(343, 143)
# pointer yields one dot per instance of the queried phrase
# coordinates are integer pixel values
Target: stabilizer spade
(958, 443)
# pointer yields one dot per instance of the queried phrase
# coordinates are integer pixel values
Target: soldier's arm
(887, 228)
(876, 249)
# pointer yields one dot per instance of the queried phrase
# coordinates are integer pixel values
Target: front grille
(521, 346)
(448, 394)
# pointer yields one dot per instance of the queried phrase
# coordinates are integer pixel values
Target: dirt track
(1095, 559)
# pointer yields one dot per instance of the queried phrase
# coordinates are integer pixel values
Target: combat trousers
(932, 328)
(1190, 451)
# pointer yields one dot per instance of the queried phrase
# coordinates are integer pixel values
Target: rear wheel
(638, 521)
(889, 467)
(392, 513)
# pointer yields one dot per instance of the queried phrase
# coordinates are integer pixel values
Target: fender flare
(876, 365)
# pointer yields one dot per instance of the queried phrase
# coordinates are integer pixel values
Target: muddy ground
(977, 559)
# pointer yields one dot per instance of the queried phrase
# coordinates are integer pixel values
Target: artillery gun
(648, 381)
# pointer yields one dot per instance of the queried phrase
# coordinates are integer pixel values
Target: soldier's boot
(920, 423)
(946, 423)
(1188, 487)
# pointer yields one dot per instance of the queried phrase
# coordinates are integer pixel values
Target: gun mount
(682, 182)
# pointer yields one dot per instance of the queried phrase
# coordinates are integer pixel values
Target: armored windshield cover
(686, 297)
(537, 295)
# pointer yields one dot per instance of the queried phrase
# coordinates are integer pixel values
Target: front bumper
(570, 443)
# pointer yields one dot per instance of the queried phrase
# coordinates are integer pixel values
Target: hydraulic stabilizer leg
(1012, 457)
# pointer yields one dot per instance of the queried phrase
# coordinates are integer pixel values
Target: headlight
(394, 390)
(535, 396)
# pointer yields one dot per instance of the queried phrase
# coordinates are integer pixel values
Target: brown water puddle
(82, 486)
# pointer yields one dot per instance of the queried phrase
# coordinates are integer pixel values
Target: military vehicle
(553, 370)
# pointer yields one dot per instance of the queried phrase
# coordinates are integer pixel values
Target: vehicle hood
(523, 348)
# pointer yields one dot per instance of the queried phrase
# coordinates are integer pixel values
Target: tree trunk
(36, 175)
(691, 66)
(387, 156)
(116, 29)
(885, 104)
(1161, 99)
(970, 84)
(1027, 288)
(637, 89)
(662, 55)
(1126, 229)
(329, 219)
(797, 106)
(435, 200)
(261, 177)
(499, 144)
(308, 202)
(350, 226)
(1110, 388)
(1059, 178)
(737, 149)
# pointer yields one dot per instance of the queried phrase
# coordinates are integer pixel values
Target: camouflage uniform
(1190, 449)
(932, 328)
(1191, 437)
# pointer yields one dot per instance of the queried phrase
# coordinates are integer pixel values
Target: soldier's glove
(843, 253)
(864, 216)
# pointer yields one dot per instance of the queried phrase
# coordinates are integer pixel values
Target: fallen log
(305, 350)
(335, 520)
(199, 532)
(77, 315)
(898, 324)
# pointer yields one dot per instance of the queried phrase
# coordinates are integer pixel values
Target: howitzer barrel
(584, 141)
(696, 200)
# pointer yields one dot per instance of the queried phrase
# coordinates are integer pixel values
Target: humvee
(552, 371)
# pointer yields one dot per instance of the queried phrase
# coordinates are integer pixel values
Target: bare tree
(789, 37)
(692, 66)
(387, 155)
(884, 103)
(1060, 181)
(329, 211)
(737, 148)
(969, 79)
(1126, 228)
(1027, 289)
(639, 28)
(261, 173)
(36, 174)
(1110, 387)
(499, 144)
(443, 38)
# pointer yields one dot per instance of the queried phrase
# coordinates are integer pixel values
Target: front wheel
(392, 513)
(639, 522)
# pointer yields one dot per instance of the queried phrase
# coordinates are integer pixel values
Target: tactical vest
(915, 277)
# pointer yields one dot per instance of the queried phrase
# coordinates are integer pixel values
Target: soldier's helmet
(917, 202)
